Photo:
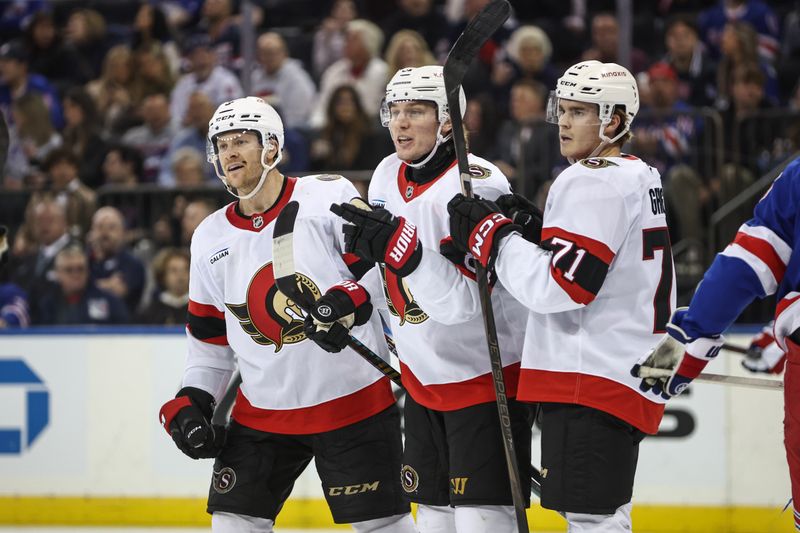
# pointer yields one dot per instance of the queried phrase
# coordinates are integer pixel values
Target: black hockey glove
(521, 211)
(477, 226)
(377, 235)
(187, 419)
(330, 318)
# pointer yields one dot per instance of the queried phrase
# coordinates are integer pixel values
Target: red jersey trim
(577, 293)
(452, 396)
(764, 251)
(350, 259)
(591, 391)
(319, 418)
(410, 190)
(205, 310)
(259, 221)
(785, 302)
(596, 248)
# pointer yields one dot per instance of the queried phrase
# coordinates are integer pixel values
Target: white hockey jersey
(289, 384)
(436, 318)
(601, 288)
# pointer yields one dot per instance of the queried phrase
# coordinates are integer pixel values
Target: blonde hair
(393, 49)
(370, 33)
(529, 33)
(37, 125)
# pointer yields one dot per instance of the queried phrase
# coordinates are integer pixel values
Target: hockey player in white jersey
(599, 285)
(453, 462)
(292, 405)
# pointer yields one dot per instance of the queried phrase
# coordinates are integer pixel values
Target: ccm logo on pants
(349, 490)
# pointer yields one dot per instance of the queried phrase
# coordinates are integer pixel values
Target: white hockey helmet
(424, 83)
(245, 114)
(606, 84)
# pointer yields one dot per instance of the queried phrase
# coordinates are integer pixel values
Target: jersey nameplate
(597, 162)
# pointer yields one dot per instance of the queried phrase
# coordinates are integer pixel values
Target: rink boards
(80, 443)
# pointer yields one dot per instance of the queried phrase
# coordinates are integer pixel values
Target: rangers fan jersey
(601, 288)
(435, 312)
(289, 384)
(759, 262)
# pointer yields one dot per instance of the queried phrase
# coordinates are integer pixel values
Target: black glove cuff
(502, 233)
(201, 399)
(411, 264)
(344, 305)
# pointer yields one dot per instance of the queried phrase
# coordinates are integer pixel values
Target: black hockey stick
(286, 281)
(477, 32)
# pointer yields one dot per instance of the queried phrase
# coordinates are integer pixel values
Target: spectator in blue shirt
(113, 268)
(15, 80)
(74, 299)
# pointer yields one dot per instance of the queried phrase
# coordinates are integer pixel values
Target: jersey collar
(259, 221)
(409, 189)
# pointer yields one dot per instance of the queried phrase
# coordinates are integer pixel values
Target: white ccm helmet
(251, 114)
(605, 84)
(426, 84)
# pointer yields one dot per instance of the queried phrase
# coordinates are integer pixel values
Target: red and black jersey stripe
(207, 324)
(357, 266)
(580, 264)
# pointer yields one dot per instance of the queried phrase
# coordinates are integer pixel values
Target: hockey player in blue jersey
(763, 259)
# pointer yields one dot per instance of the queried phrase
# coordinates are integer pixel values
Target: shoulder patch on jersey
(478, 172)
(597, 162)
(329, 177)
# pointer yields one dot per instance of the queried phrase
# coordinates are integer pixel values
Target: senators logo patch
(409, 478)
(597, 162)
(224, 480)
(401, 302)
(268, 316)
(478, 172)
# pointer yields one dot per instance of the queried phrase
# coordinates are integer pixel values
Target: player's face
(240, 157)
(578, 131)
(413, 126)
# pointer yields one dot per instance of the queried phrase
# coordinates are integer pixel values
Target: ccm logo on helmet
(403, 241)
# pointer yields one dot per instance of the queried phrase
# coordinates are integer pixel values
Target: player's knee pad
(436, 519)
(399, 523)
(619, 522)
(485, 518)
(235, 523)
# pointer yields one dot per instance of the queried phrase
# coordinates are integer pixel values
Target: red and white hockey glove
(187, 419)
(764, 355)
(676, 360)
(477, 226)
(344, 306)
(377, 235)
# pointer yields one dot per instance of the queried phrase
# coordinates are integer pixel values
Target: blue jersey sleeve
(754, 265)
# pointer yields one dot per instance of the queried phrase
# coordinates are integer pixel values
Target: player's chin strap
(605, 141)
(261, 181)
(439, 141)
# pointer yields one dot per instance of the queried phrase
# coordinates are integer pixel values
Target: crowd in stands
(107, 104)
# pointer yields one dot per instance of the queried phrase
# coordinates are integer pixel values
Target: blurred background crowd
(107, 105)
